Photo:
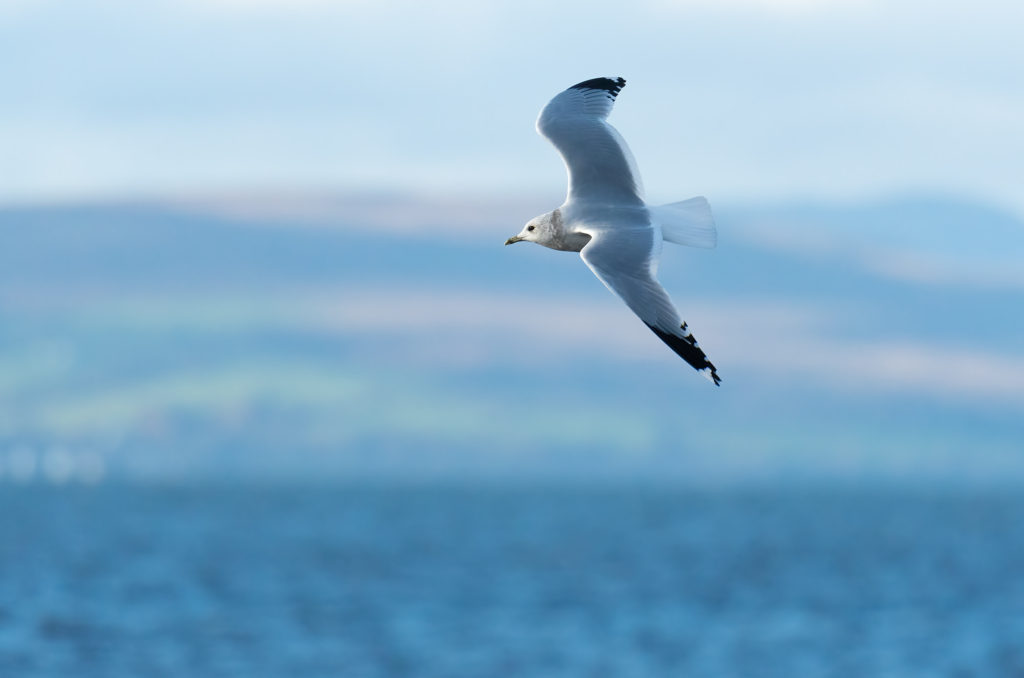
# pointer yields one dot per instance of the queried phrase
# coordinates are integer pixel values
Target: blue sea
(469, 581)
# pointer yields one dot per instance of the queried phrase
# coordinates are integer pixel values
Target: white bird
(606, 220)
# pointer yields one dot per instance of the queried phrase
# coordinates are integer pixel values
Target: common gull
(606, 220)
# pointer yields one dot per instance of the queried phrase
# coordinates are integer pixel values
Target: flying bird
(605, 218)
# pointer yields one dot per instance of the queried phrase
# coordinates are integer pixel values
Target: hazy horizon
(376, 336)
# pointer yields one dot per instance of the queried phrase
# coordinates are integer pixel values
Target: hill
(393, 336)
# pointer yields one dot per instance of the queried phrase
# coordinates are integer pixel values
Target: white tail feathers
(687, 223)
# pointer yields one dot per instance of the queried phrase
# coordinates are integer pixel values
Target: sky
(740, 99)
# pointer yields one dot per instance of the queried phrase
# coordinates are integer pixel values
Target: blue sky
(737, 99)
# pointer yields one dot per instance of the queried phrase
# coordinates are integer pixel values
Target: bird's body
(605, 218)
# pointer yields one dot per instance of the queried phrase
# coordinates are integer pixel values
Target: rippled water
(117, 581)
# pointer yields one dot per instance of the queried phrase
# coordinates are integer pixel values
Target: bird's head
(540, 229)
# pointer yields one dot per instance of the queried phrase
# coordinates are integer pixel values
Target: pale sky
(736, 99)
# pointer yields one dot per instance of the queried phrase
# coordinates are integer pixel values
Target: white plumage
(605, 218)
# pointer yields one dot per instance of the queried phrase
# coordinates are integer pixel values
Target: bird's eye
(530, 228)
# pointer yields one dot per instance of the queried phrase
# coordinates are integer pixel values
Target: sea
(377, 580)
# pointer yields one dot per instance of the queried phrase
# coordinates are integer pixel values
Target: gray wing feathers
(622, 260)
(600, 165)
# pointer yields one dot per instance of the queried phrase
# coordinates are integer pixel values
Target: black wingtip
(687, 349)
(612, 86)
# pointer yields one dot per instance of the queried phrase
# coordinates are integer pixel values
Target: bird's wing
(601, 167)
(625, 259)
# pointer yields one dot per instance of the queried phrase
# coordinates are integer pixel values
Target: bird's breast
(574, 241)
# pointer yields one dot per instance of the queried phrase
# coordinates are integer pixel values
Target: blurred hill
(390, 336)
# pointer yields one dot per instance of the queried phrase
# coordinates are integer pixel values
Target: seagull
(606, 220)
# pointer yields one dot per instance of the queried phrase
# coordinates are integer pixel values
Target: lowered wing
(624, 260)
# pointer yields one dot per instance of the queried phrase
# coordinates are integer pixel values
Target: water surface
(457, 581)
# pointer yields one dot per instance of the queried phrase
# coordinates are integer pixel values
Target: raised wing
(601, 167)
(625, 261)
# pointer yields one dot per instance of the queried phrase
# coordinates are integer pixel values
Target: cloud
(774, 339)
(961, 375)
(789, 343)
(277, 4)
(767, 6)
(746, 98)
